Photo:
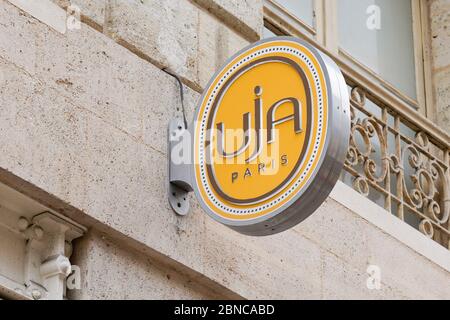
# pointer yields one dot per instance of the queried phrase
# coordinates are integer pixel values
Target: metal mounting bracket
(180, 164)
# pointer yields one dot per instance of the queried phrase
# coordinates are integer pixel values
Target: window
(296, 15)
(380, 41)
(302, 9)
(379, 34)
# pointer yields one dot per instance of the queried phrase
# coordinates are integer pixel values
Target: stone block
(109, 271)
(244, 16)
(217, 43)
(193, 47)
(440, 32)
(442, 95)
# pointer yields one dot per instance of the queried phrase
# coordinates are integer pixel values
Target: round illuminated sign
(270, 136)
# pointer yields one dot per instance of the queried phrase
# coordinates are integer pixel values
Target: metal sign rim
(293, 212)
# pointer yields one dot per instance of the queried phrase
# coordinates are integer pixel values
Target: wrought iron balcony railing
(400, 166)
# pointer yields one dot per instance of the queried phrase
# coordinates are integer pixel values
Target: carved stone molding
(48, 248)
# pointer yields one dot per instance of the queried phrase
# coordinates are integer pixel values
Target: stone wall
(112, 271)
(439, 11)
(82, 130)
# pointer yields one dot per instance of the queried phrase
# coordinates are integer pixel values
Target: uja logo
(262, 132)
(271, 123)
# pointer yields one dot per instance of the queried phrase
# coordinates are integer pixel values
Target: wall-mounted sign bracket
(179, 166)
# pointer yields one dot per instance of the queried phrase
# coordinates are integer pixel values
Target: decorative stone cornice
(48, 248)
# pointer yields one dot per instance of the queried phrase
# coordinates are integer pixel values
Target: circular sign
(270, 136)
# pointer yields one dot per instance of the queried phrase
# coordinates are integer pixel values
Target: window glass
(302, 9)
(379, 34)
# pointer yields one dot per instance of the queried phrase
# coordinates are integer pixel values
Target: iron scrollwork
(420, 171)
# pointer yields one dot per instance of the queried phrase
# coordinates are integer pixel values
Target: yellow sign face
(260, 133)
